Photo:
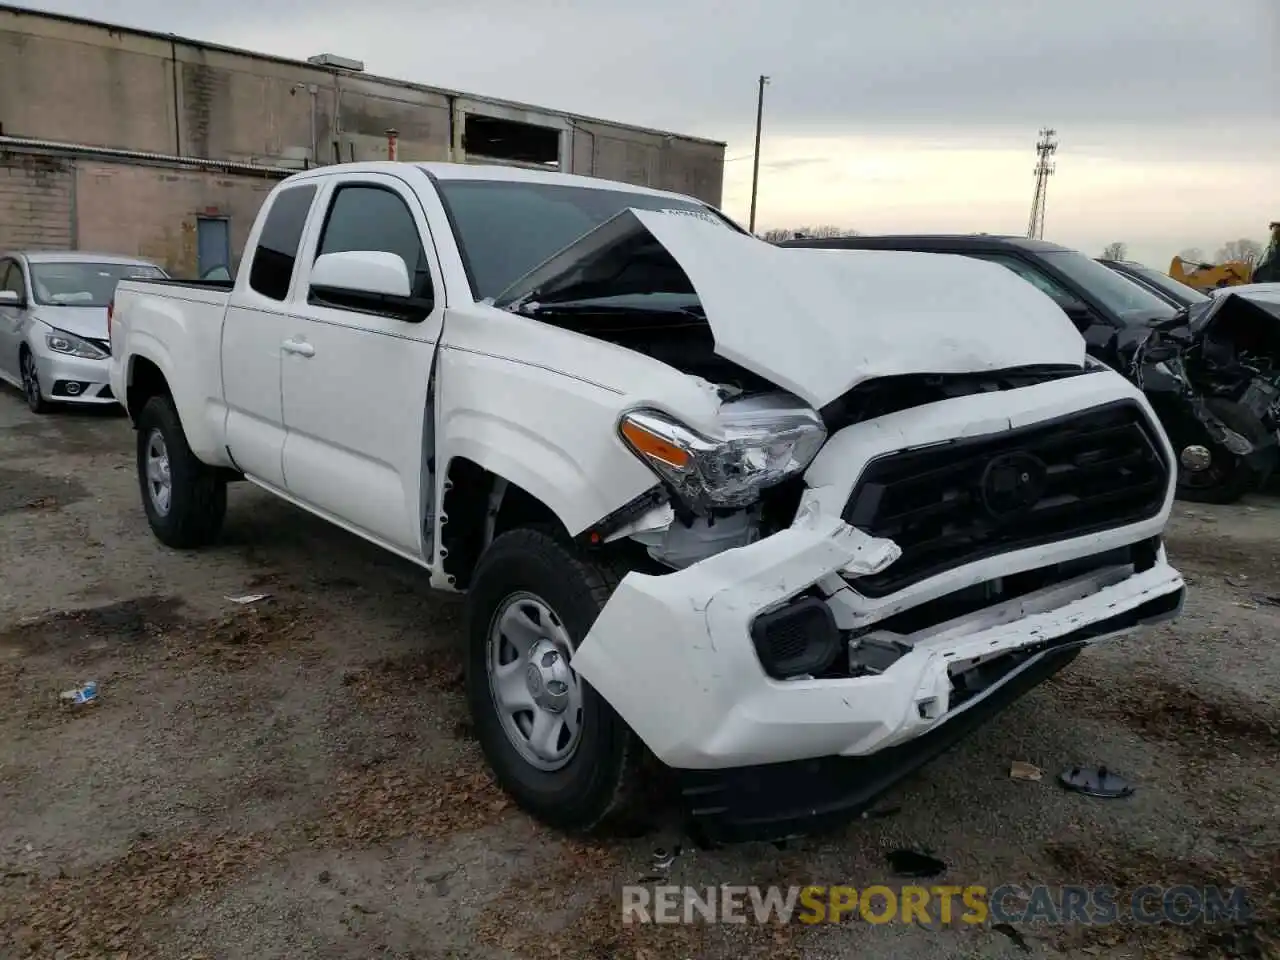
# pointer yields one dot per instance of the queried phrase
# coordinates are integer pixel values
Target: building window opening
(510, 141)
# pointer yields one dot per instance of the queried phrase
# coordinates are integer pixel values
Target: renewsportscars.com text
(971, 904)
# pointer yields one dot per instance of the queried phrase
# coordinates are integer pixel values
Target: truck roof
(481, 171)
(75, 256)
(925, 241)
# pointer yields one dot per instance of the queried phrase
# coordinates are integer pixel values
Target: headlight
(59, 341)
(759, 444)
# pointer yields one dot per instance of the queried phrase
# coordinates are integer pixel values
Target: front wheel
(31, 388)
(185, 499)
(554, 744)
(1224, 480)
(1209, 473)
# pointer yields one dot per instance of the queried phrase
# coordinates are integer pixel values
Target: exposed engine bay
(632, 292)
(1213, 375)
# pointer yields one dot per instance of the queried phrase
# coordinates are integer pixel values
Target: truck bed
(188, 314)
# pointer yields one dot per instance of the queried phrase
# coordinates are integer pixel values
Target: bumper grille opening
(797, 639)
(953, 504)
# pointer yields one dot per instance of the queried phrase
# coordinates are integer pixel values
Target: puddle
(29, 491)
(97, 629)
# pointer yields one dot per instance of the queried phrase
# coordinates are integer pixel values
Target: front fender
(554, 436)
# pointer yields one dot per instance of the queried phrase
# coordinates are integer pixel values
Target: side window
(11, 277)
(1031, 275)
(363, 217)
(277, 250)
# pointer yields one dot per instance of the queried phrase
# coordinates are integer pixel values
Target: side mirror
(370, 272)
(10, 298)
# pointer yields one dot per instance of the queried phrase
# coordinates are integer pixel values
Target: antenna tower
(1046, 147)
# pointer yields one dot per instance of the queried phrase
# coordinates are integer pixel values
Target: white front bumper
(673, 654)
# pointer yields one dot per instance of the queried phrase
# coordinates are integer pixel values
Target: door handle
(299, 347)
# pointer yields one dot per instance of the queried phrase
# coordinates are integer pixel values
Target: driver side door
(355, 379)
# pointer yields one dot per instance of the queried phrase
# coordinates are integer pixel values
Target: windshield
(78, 284)
(1179, 291)
(1118, 294)
(506, 228)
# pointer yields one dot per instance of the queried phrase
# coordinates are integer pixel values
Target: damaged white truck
(790, 521)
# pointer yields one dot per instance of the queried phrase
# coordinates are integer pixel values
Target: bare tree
(778, 234)
(1115, 251)
(1192, 255)
(1245, 251)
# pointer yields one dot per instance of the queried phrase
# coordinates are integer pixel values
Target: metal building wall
(64, 79)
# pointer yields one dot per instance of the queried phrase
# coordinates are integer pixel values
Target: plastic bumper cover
(672, 653)
(74, 379)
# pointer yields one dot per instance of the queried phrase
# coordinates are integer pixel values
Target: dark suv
(1221, 428)
(1175, 293)
(1098, 300)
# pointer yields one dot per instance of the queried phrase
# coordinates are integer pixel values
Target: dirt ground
(295, 778)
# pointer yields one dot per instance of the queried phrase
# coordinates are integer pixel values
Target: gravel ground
(295, 778)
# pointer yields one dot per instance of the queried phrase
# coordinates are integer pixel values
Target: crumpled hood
(819, 322)
(88, 322)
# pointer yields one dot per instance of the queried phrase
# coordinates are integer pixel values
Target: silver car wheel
(537, 695)
(159, 482)
(30, 380)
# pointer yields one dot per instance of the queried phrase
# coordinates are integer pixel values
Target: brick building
(123, 141)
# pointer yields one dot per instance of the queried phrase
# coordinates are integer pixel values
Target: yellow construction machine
(1208, 276)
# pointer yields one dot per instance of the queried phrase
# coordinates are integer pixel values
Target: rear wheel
(185, 500)
(554, 744)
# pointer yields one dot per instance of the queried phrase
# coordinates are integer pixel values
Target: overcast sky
(881, 115)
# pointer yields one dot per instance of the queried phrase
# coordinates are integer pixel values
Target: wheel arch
(144, 379)
(480, 504)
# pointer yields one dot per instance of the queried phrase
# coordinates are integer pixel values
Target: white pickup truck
(791, 521)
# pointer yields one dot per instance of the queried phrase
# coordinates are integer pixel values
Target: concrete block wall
(37, 202)
(151, 212)
(60, 203)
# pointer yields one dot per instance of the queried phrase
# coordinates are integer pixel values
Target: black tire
(36, 402)
(1231, 477)
(198, 496)
(592, 789)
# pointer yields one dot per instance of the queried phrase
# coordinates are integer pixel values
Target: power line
(1046, 147)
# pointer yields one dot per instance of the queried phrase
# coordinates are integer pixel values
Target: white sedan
(54, 341)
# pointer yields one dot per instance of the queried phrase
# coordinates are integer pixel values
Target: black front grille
(952, 504)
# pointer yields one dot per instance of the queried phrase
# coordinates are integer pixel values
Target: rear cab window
(276, 254)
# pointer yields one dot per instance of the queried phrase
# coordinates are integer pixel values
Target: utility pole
(755, 166)
(1046, 147)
